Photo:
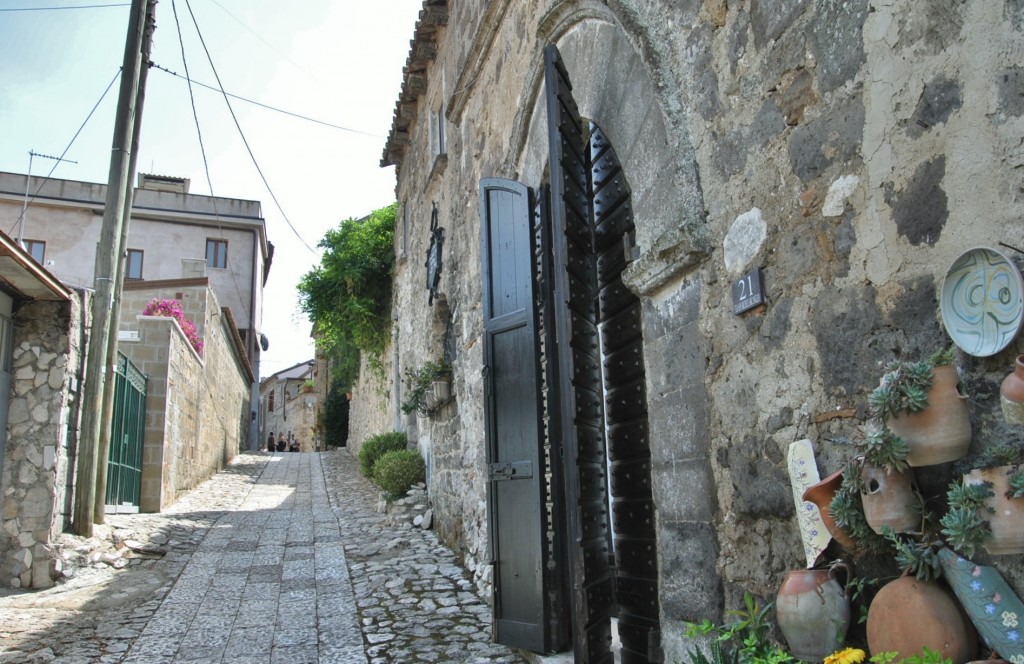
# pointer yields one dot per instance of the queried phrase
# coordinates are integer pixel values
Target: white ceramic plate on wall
(982, 301)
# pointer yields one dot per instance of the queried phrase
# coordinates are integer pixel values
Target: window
(437, 138)
(270, 402)
(216, 253)
(36, 249)
(402, 232)
(134, 267)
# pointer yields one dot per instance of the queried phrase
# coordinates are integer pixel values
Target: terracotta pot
(942, 431)
(821, 494)
(908, 615)
(889, 499)
(1011, 394)
(813, 611)
(1007, 518)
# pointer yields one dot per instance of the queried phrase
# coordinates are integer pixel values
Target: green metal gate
(124, 467)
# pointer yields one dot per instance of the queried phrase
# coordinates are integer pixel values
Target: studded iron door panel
(512, 414)
(577, 381)
(625, 408)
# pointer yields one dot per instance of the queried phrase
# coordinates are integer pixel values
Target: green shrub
(396, 471)
(376, 447)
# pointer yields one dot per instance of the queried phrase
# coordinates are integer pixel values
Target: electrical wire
(40, 9)
(206, 168)
(61, 157)
(262, 105)
(241, 134)
(257, 36)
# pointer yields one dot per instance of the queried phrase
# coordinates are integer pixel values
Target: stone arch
(613, 88)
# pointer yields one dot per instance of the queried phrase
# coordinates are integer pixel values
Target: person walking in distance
(282, 445)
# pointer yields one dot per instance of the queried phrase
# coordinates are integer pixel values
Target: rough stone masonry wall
(42, 431)
(852, 151)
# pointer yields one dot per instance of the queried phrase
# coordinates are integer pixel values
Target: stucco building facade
(173, 235)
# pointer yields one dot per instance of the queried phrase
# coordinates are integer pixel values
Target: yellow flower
(846, 656)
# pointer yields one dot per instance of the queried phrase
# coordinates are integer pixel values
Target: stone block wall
(850, 151)
(42, 422)
(197, 407)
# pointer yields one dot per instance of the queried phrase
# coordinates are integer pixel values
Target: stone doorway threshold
(567, 657)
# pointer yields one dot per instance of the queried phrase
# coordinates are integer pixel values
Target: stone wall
(42, 437)
(850, 151)
(197, 407)
(294, 414)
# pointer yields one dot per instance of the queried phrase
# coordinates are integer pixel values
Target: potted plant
(887, 491)
(922, 404)
(442, 378)
(427, 388)
(917, 610)
(877, 491)
(987, 507)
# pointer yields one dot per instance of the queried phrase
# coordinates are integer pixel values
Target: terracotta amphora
(1006, 519)
(821, 495)
(1011, 394)
(813, 611)
(889, 500)
(908, 615)
(942, 431)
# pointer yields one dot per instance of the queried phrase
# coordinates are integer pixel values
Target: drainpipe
(254, 350)
(396, 379)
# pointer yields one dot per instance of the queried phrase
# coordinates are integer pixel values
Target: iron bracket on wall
(433, 263)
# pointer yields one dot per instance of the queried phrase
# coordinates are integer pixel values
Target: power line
(61, 157)
(241, 134)
(266, 106)
(40, 9)
(257, 36)
(206, 167)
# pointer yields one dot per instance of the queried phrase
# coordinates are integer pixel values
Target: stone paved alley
(275, 559)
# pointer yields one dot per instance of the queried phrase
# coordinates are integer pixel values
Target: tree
(348, 296)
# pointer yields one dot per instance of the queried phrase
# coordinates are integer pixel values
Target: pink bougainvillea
(172, 309)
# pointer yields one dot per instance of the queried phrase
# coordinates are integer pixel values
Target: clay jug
(1011, 394)
(1006, 520)
(821, 494)
(813, 611)
(908, 615)
(889, 499)
(942, 431)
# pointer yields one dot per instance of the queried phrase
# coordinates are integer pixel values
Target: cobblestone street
(276, 559)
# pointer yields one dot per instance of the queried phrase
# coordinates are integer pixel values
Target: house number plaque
(748, 291)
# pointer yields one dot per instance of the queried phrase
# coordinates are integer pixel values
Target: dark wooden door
(513, 406)
(575, 376)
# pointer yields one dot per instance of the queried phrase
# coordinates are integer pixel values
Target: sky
(335, 61)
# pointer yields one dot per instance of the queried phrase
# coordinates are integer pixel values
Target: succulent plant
(964, 525)
(882, 448)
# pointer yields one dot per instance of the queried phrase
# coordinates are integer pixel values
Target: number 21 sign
(748, 291)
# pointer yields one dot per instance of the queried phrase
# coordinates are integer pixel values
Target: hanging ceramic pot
(889, 499)
(908, 615)
(1011, 394)
(821, 495)
(813, 611)
(1006, 519)
(942, 431)
(443, 389)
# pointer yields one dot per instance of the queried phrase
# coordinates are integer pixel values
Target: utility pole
(106, 286)
(103, 453)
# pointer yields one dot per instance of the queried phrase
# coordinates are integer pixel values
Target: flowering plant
(846, 656)
(172, 309)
